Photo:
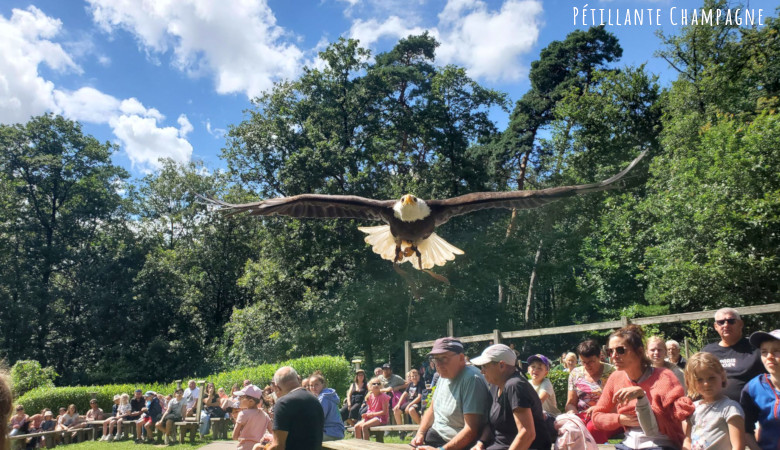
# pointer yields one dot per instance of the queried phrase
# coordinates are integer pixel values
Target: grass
(128, 444)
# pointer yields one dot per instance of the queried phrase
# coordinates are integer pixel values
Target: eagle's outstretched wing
(314, 206)
(443, 210)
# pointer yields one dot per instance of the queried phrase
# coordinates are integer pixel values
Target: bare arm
(280, 440)
(400, 401)
(571, 402)
(737, 432)
(237, 430)
(467, 434)
(425, 423)
(526, 432)
(687, 430)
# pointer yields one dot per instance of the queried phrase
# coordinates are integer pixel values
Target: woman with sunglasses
(648, 402)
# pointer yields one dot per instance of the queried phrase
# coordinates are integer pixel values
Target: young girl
(114, 412)
(378, 410)
(718, 422)
(253, 426)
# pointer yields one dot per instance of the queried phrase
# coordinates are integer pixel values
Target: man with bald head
(739, 359)
(298, 417)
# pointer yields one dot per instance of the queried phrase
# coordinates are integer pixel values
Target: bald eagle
(408, 233)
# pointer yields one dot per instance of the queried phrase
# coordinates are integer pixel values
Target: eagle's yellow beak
(407, 199)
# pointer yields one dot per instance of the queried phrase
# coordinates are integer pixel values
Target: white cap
(496, 353)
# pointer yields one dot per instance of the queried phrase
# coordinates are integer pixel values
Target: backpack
(572, 434)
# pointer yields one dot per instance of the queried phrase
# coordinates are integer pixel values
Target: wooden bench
(379, 432)
(183, 428)
(359, 444)
(219, 428)
(20, 440)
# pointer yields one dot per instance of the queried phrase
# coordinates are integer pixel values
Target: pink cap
(250, 390)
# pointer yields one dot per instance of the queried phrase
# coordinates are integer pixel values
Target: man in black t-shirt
(513, 397)
(298, 417)
(739, 359)
(137, 403)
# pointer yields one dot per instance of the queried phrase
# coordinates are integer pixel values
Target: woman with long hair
(648, 402)
(356, 394)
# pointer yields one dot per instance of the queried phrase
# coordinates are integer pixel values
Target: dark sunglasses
(721, 322)
(376, 384)
(619, 350)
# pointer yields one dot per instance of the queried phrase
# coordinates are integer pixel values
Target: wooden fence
(496, 336)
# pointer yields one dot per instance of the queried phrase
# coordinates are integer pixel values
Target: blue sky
(165, 78)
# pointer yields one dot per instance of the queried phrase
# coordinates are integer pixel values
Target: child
(718, 422)
(411, 398)
(112, 418)
(122, 412)
(760, 397)
(378, 410)
(48, 424)
(538, 368)
(177, 409)
(253, 426)
(150, 415)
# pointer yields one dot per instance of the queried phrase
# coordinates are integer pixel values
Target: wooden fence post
(407, 356)
(687, 348)
(450, 328)
(496, 337)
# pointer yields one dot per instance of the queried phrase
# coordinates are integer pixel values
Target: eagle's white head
(411, 208)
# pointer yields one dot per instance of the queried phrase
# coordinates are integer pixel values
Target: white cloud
(218, 133)
(26, 43)
(235, 41)
(488, 43)
(145, 142)
(370, 31)
(87, 104)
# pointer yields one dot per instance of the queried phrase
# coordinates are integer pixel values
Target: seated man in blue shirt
(460, 405)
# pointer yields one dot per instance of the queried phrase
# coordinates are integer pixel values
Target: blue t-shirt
(761, 403)
(467, 393)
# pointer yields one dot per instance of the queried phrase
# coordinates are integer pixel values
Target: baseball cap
(446, 344)
(757, 338)
(541, 358)
(117, 397)
(495, 353)
(148, 393)
(138, 390)
(386, 366)
(47, 413)
(250, 390)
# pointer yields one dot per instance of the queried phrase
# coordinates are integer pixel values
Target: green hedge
(336, 370)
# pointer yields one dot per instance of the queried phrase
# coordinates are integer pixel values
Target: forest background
(107, 279)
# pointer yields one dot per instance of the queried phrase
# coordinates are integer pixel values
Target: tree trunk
(531, 285)
(520, 187)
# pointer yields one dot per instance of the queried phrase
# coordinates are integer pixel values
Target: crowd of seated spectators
(635, 388)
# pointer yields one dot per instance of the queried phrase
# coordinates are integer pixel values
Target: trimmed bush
(336, 370)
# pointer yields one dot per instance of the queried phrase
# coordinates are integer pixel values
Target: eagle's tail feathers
(381, 241)
(434, 251)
